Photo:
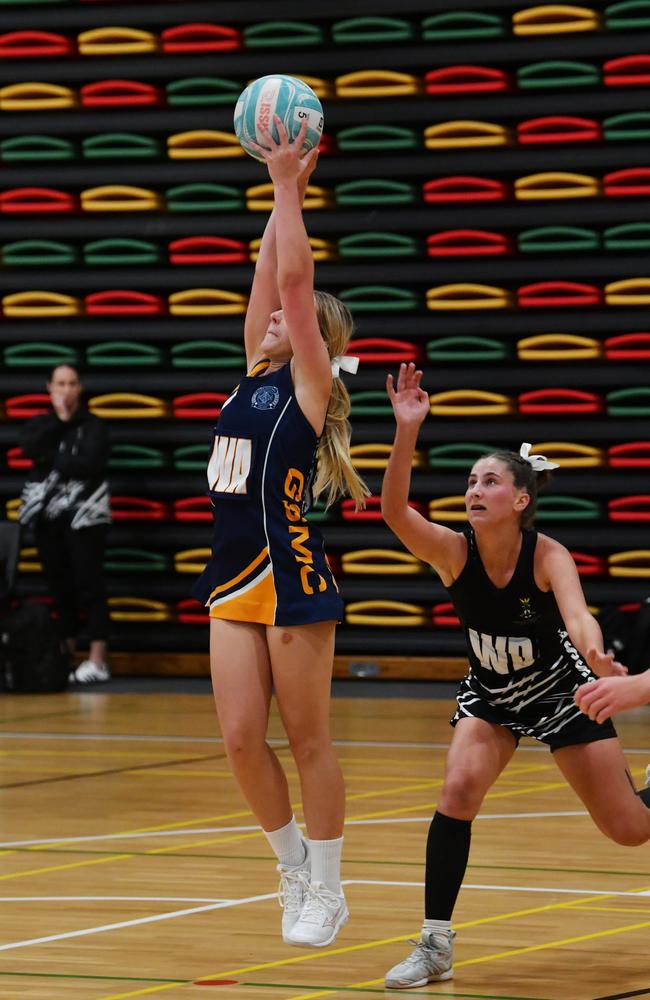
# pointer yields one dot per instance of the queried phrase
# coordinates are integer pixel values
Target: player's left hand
(604, 664)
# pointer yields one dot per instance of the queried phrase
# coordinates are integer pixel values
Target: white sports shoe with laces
(323, 914)
(89, 673)
(294, 883)
(431, 961)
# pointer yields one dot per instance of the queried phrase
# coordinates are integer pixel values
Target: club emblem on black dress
(265, 398)
(526, 610)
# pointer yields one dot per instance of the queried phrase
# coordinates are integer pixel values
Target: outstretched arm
(609, 695)
(442, 548)
(265, 294)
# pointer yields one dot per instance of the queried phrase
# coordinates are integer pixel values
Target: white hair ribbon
(538, 462)
(346, 363)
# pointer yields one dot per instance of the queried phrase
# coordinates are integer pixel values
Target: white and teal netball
(288, 98)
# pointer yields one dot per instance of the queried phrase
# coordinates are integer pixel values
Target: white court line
(108, 899)
(427, 819)
(256, 899)
(132, 738)
(388, 820)
(133, 923)
(130, 836)
(504, 888)
(348, 881)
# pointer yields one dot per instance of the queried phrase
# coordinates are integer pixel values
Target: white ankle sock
(436, 925)
(287, 843)
(326, 862)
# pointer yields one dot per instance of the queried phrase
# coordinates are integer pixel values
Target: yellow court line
(260, 833)
(430, 806)
(497, 955)
(13, 769)
(206, 843)
(378, 793)
(615, 909)
(112, 857)
(247, 813)
(509, 778)
(376, 944)
(548, 786)
(103, 754)
(180, 773)
(187, 773)
(151, 829)
(63, 868)
(191, 822)
(374, 761)
(265, 965)
(554, 944)
(246, 836)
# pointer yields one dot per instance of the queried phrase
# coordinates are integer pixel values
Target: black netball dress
(523, 666)
(268, 563)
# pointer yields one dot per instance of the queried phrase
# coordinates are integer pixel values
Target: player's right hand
(409, 400)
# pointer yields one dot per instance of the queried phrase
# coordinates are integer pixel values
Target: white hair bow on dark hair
(538, 462)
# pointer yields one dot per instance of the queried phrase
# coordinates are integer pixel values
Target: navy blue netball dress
(268, 562)
(524, 669)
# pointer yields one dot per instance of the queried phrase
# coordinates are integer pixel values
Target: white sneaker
(323, 914)
(294, 883)
(89, 673)
(431, 961)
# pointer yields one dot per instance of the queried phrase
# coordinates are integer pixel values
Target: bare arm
(444, 549)
(296, 270)
(606, 697)
(559, 570)
(265, 296)
(285, 258)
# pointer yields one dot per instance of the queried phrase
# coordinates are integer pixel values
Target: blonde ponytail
(335, 474)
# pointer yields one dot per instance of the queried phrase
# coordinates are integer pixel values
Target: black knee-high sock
(447, 854)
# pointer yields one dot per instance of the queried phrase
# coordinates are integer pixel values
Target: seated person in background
(66, 502)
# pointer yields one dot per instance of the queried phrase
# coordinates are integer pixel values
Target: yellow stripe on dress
(240, 576)
(260, 367)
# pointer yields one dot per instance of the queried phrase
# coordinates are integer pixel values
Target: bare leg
(478, 753)
(241, 680)
(301, 662)
(597, 772)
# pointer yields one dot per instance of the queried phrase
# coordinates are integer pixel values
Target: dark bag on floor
(30, 654)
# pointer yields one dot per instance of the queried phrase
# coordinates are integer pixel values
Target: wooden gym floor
(131, 867)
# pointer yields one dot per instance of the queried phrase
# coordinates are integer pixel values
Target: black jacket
(68, 478)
